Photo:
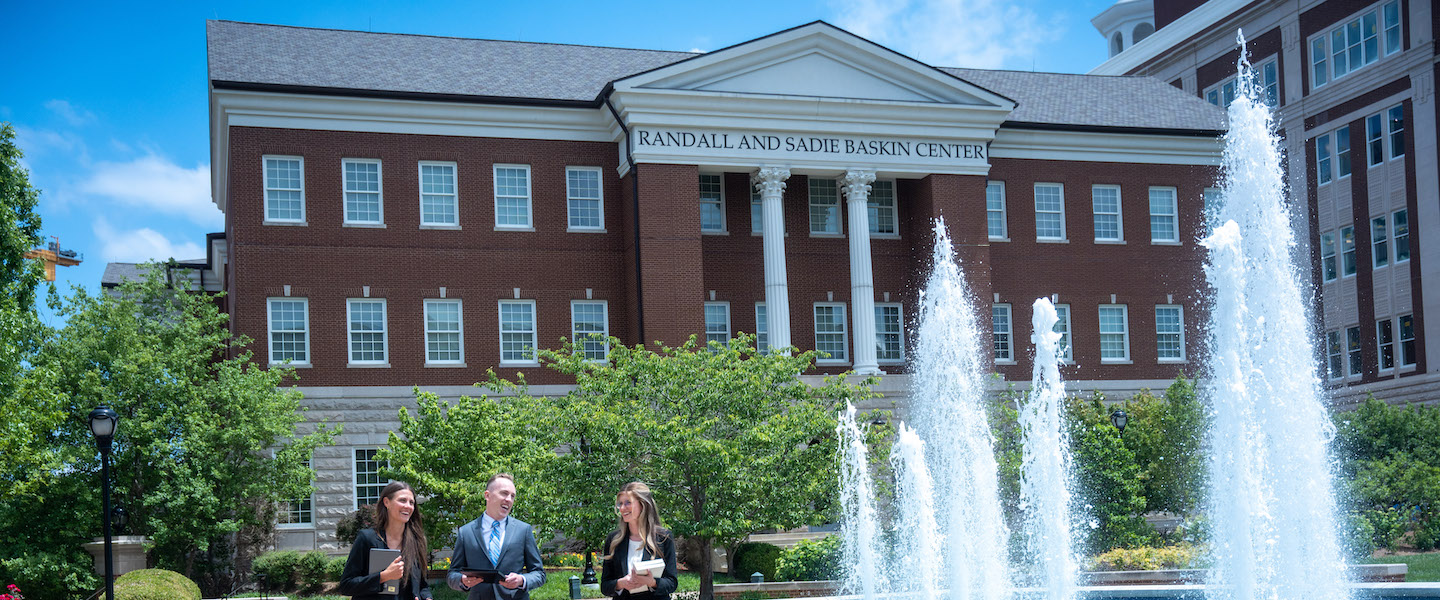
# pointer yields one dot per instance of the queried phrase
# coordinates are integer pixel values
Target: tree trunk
(707, 569)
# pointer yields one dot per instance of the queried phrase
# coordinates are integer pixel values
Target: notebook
(379, 559)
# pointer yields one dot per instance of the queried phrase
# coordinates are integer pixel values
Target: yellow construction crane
(53, 255)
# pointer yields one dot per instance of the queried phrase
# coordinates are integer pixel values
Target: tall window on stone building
(368, 333)
(1347, 251)
(299, 513)
(1049, 211)
(717, 323)
(1385, 343)
(1352, 347)
(1375, 139)
(363, 202)
(284, 189)
(995, 210)
(1335, 354)
(1400, 223)
(1395, 117)
(368, 482)
(712, 202)
(584, 199)
(517, 331)
(1114, 333)
(824, 207)
(439, 204)
(512, 197)
(289, 331)
(1002, 333)
(1323, 173)
(444, 333)
(830, 333)
(1406, 325)
(1342, 152)
(1170, 333)
(1379, 242)
(881, 209)
(1164, 216)
(1105, 205)
(889, 333)
(1327, 256)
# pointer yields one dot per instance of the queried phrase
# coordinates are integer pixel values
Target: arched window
(1117, 44)
(1142, 31)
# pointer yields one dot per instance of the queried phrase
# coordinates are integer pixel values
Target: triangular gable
(816, 60)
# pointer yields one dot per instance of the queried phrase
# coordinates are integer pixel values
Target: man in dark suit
(497, 542)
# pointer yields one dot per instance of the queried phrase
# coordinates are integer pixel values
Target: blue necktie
(495, 544)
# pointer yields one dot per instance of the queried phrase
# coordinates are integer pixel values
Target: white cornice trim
(1169, 36)
(1105, 147)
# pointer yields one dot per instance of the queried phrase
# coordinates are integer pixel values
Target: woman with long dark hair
(638, 538)
(397, 527)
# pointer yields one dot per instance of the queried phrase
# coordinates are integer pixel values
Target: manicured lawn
(1423, 567)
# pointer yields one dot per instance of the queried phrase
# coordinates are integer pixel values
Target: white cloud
(140, 245)
(154, 183)
(986, 34)
(73, 115)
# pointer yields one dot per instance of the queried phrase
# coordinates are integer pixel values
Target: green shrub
(1427, 535)
(1148, 558)
(755, 557)
(811, 560)
(335, 568)
(155, 584)
(278, 568)
(51, 575)
(1357, 536)
(312, 571)
(1107, 479)
(1388, 524)
(349, 526)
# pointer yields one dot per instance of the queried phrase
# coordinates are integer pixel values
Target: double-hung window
(1105, 203)
(1400, 227)
(1323, 161)
(1164, 216)
(1355, 43)
(517, 332)
(368, 482)
(1379, 242)
(584, 199)
(1391, 123)
(439, 203)
(995, 210)
(1170, 333)
(1395, 119)
(1385, 343)
(1267, 75)
(1049, 211)
(368, 343)
(830, 334)
(824, 207)
(1062, 326)
(1352, 347)
(1335, 354)
(285, 189)
(1114, 333)
(889, 333)
(1342, 152)
(1407, 340)
(444, 333)
(1375, 139)
(512, 197)
(881, 209)
(589, 326)
(1002, 333)
(757, 210)
(1347, 251)
(299, 513)
(717, 323)
(289, 331)
(1212, 198)
(1327, 256)
(712, 203)
(762, 328)
(364, 205)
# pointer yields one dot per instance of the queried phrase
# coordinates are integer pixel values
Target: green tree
(19, 225)
(1109, 497)
(1166, 435)
(205, 434)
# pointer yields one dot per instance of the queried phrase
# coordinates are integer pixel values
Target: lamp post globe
(103, 424)
(1119, 419)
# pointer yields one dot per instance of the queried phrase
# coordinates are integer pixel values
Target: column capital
(770, 180)
(856, 184)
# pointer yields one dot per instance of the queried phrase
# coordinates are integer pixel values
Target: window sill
(1165, 243)
(586, 230)
(1114, 361)
(832, 363)
(1110, 242)
(293, 365)
(355, 365)
(761, 234)
(1051, 240)
(1008, 361)
(514, 365)
(714, 232)
(513, 228)
(1000, 239)
(838, 236)
(440, 227)
(285, 223)
(884, 236)
(1171, 361)
(295, 526)
(430, 365)
(364, 225)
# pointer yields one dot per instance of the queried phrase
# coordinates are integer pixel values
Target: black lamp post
(1119, 419)
(589, 573)
(103, 422)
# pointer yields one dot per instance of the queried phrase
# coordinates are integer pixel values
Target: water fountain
(1044, 485)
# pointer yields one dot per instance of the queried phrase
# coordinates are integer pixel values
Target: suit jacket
(356, 581)
(616, 567)
(518, 554)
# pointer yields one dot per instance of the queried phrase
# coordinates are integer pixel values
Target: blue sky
(109, 99)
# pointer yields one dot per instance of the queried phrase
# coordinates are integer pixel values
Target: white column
(856, 184)
(770, 182)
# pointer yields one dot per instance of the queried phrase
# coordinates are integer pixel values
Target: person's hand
(644, 580)
(513, 581)
(468, 581)
(394, 571)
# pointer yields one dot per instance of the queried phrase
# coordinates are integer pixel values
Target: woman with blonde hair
(638, 538)
(397, 527)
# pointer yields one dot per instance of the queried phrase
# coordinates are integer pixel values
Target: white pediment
(816, 60)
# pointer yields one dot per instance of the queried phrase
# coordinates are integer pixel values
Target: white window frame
(757, 209)
(717, 201)
(576, 334)
(1180, 315)
(1334, 355)
(1268, 74)
(459, 331)
(833, 210)
(1210, 199)
(267, 188)
(1124, 333)
(599, 201)
(290, 508)
(355, 475)
(1118, 214)
(1381, 345)
(880, 332)
(350, 333)
(1002, 334)
(345, 192)
(1329, 257)
(529, 197)
(1375, 139)
(1349, 264)
(729, 331)
(534, 333)
(1324, 172)
(1395, 135)
(453, 195)
(844, 332)
(874, 210)
(1043, 238)
(995, 190)
(762, 328)
(1396, 235)
(1343, 165)
(1063, 327)
(1405, 358)
(1379, 242)
(1354, 353)
(1322, 51)
(1174, 215)
(270, 328)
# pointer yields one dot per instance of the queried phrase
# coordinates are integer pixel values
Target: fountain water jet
(1044, 486)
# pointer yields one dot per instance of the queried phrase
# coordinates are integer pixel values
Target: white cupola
(1125, 23)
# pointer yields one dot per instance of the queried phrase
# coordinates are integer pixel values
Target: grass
(1423, 567)
(555, 588)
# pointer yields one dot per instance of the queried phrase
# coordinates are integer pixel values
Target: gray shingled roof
(276, 55)
(1059, 98)
(117, 273)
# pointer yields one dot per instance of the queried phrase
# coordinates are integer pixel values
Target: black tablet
(485, 576)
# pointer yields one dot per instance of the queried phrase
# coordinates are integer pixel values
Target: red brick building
(410, 211)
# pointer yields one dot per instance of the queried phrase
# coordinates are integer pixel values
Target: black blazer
(360, 585)
(616, 567)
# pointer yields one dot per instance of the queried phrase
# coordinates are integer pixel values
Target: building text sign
(807, 147)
